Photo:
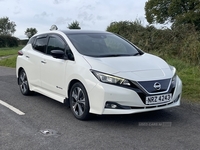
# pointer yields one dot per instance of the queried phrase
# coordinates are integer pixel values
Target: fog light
(113, 106)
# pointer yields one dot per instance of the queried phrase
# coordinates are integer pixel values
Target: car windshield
(102, 45)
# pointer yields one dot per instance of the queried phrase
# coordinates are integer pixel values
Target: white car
(96, 72)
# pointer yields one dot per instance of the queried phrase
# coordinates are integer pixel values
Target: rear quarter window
(31, 40)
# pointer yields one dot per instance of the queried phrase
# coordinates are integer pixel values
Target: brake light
(20, 53)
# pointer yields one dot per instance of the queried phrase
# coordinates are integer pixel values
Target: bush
(23, 42)
(8, 41)
(2, 42)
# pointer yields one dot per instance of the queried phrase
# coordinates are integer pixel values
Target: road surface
(45, 124)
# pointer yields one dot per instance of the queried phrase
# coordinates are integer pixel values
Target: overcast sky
(91, 14)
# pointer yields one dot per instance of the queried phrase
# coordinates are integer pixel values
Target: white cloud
(91, 14)
(62, 21)
(43, 15)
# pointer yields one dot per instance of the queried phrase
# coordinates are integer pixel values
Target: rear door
(34, 57)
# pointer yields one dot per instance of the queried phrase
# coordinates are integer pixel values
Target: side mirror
(57, 54)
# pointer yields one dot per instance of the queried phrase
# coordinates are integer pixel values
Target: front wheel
(23, 83)
(79, 102)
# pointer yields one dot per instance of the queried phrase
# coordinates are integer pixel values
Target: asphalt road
(50, 125)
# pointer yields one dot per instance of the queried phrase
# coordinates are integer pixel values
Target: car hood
(138, 68)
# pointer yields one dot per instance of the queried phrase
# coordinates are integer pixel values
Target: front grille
(149, 86)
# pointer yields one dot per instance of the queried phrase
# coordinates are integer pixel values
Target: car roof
(70, 32)
(78, 31)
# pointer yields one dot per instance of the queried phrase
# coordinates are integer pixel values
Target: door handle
(27, 57)
(44, 62)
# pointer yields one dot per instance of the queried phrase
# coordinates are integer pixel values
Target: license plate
(158, 99)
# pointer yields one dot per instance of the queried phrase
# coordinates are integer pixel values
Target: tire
(23, 83)
(79, 102)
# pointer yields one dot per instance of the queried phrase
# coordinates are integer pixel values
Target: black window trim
(66, 45)
(39, 37)
(47, 36)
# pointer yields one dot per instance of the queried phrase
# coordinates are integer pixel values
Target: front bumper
(128, 101)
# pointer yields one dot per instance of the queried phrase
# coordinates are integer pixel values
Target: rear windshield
(102, 45)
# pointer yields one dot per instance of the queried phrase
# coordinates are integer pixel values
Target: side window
(40, 44)
(55, 43)
(31, 41)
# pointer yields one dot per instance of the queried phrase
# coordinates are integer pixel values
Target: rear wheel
(79, 102)
(23, 83)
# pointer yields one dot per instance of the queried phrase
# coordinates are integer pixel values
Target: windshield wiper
(118, 55)
(114, 55)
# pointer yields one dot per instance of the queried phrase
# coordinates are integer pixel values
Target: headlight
(173, 69)
(174, 79)
(106, 78)
(174, 74)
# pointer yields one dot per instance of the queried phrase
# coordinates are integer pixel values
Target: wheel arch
(72, 82)
(18, 73)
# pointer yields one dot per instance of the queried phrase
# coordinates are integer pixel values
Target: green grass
(190, 76)
(10, 51)
(9, 62)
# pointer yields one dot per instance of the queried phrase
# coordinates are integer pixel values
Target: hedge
(8, 41)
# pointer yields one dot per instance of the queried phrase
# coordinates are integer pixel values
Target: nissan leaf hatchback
(96, 72)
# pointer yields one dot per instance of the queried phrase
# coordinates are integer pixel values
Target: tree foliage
(74, 25)
(126, 29)
(7, 27)
(133, 31)
(30, 32)
(174, 11)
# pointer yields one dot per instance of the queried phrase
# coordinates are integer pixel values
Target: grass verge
(9, 62)
(10, 51)
(190, 76)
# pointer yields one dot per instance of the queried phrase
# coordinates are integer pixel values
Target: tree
(7, 27)
(30, 32)
(176, 12)
(127, 29)
(74, 25)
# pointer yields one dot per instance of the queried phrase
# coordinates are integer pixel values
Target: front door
(53, 70)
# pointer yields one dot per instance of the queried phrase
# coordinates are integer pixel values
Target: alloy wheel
(23, 83)
(79, 101)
